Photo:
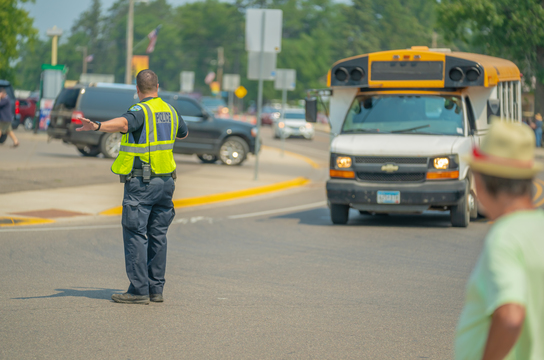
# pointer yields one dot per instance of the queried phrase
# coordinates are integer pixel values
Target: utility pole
(54, 32)
(130, 40)
(220, 63)
(83, 49)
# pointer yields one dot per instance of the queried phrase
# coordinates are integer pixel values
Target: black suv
(4, 84)
(209, 138)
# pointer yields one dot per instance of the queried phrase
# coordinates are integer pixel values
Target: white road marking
(191, 220)
(278, 211)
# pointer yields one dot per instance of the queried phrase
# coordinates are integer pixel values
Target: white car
(293, 123)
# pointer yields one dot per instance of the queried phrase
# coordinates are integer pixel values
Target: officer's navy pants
(147, 212)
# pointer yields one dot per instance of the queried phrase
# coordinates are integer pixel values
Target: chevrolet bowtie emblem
(390, 168)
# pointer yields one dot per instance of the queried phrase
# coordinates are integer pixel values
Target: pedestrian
(503, 315)
(538, 130)
(6, 117)
(146, 165)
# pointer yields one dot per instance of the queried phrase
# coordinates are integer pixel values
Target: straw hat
(507, 151)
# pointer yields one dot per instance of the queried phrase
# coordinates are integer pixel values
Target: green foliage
(512, 29)
(16, 30)
(316, 33)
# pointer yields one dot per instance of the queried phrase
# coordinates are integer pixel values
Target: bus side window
(470, 115)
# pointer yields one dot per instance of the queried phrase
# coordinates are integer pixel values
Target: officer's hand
(88, 125)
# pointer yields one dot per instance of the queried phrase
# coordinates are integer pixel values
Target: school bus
(401, 121)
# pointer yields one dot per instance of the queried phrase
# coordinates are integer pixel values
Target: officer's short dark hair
(147, 81)
(514, 187)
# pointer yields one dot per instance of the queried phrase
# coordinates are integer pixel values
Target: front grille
(379, 177)
(390, 160)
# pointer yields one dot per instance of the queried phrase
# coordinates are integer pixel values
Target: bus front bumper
(414, 197)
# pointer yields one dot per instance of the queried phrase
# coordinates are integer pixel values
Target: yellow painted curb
(6, 221)
(295, 155)
(231, 195)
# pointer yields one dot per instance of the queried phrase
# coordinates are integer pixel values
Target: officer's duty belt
(140, 173)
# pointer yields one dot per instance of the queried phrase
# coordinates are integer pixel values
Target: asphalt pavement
(266, 277)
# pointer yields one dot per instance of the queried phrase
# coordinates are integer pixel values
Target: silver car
(293, 123)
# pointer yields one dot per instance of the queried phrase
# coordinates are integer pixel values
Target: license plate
(388, 197)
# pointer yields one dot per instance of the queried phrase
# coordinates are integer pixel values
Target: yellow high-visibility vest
(156, 141)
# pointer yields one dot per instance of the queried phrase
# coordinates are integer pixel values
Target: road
(264, 278)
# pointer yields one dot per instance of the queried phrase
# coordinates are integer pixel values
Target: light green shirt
(510, 270)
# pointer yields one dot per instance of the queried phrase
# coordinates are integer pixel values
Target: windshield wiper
(412, 129)
(361, 130)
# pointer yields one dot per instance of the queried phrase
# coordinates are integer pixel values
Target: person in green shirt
(503, 315)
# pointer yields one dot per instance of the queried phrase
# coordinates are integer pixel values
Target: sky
(63, 13)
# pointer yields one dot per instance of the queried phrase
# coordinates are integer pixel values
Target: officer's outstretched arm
(119, 124)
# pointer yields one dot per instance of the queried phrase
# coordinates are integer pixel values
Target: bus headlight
(254, 132)
(441, 163)
(343, 162)
(281, 125)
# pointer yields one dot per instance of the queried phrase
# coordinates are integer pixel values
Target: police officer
(146, 165)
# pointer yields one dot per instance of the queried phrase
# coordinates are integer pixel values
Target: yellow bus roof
(421, 67)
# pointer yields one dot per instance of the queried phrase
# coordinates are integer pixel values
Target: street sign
(187, 81)
(215, 87)
(286, 79)
(231, 82)
(240, 92)
(52, 83)
(209, 78)
(272, 30)
(269, 66)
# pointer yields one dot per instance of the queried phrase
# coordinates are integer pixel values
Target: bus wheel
(473, 206)
(339, 214)
(460, 213)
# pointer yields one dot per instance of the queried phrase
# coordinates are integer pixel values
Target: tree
(17, 31)
(511, 29)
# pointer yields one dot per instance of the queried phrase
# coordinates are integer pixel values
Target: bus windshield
(409, 114)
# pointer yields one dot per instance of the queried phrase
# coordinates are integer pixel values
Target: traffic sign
(272, 30)
(240, 92)
(269, 66)
(187, 81)
(286, 79)
(215, 87)
(231, 82)
(209, 78)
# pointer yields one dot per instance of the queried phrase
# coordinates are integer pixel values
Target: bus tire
(473, 205)
(339, 214)
(460, 213)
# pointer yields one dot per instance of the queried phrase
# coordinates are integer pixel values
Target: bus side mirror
(311, 110)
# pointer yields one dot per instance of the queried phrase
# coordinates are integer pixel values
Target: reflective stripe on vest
(156, 141)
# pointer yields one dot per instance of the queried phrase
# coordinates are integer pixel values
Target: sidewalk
(205, 184)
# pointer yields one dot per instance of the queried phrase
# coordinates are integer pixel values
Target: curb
(6, 221)
(231, 195)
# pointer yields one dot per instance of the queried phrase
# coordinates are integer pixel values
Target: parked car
(293, 123)
(4, 84)
(27, 112)
(269, 115)
(210, 138)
